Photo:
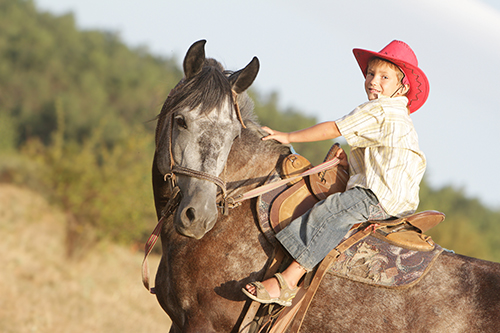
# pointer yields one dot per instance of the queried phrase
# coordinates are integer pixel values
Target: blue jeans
(310, 237)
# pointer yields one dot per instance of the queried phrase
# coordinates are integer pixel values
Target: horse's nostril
(190, 214)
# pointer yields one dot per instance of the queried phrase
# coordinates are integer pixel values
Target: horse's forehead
(222, 114)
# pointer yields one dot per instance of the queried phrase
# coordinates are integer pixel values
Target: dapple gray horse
(209, 145)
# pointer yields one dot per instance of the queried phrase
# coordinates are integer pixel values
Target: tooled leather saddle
(276, 209)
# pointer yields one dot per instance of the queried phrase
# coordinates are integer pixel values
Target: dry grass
(41, 291)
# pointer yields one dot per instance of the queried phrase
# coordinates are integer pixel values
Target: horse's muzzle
(195, 221)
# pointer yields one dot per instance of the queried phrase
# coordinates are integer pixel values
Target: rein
(271, 186)
(170, 207)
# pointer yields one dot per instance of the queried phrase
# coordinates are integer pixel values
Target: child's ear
(405, 89)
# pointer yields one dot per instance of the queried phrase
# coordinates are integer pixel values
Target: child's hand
(276, 135)
(342, 156)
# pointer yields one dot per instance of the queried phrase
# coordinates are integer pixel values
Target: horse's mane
(207, 89)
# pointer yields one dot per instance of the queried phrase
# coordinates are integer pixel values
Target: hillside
(43, 292)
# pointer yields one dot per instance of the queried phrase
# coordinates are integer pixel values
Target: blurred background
(81, 83)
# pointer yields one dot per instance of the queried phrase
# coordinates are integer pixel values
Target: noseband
(177, 169)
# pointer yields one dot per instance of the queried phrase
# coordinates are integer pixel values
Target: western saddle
(298, 197)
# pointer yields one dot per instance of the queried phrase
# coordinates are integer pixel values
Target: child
(386, 166)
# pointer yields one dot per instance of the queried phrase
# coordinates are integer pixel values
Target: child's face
(381, 79)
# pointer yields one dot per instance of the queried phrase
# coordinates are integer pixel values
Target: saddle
(279, 207)
(303, 194)
(306, 192)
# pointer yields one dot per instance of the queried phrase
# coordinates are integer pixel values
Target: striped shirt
(385, 156)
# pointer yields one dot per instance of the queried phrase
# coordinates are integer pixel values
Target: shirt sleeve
(363, 126)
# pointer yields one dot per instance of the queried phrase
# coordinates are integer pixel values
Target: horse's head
(196, 128)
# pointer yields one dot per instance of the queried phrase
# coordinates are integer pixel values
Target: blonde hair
(377, 61)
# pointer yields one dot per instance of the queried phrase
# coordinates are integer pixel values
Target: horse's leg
(192, 327)
(199, 323)
(174, 329)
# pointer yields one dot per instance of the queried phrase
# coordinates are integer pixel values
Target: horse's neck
(252, 160)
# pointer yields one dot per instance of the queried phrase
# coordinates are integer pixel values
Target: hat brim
(419, 84)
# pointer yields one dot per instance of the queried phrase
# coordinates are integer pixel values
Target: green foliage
(44, 58)
(8, 135)
(470, 228)
(105, 192)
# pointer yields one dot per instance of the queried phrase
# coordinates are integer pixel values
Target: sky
(305, 52)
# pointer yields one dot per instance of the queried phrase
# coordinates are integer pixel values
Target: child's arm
(319, 132)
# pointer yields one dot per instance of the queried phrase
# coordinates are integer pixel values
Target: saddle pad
(376, 262)
(264, 203)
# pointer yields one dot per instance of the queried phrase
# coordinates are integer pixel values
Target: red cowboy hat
(401, 55)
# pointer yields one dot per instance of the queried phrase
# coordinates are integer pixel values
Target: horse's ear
(195, 57)
(242, 79)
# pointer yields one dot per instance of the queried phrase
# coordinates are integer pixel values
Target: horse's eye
(181, 122)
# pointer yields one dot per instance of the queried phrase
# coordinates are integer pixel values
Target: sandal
(286, 294)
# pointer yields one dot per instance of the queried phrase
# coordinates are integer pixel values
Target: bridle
(175, 169)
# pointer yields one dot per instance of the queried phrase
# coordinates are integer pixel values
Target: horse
(208, 145)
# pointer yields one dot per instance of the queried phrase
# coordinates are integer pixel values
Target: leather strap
(272, 269)
(320, 273)
(271, 186)
(148, 247)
